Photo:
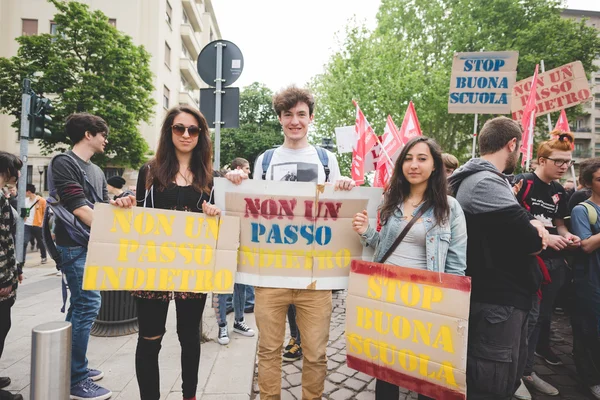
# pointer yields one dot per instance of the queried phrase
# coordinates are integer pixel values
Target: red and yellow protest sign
(559, 88)
(153, 249)
(409, 327)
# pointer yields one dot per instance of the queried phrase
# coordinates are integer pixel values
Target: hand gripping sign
(162, 250)
(409, 327)
(296, 235)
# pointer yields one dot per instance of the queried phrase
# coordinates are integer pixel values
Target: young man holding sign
(295, 160)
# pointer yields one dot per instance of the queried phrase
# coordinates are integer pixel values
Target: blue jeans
(249, 296)
(220, 300)
(83, 309)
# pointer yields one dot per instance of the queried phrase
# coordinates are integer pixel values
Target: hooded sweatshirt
(500, 237)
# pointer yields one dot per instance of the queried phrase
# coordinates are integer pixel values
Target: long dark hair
(165, 166)
(436, 194)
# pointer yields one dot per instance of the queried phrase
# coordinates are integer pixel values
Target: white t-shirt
(301, 165)
(29, 203)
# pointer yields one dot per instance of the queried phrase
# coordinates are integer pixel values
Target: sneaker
(44, 260)
(88, 390)
(555, 337)
(522, 393)
(540, 385)
(4, 382)
(4, 395)
(223, 335)
(95, 374)
(548, 356)
(595, 391)
(293, 354)
(290, 344)
(249, 309)
(559, 311)
(243, 329)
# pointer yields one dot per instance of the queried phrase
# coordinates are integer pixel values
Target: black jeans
(386, 391)
(152, 316)
(557, 267)
(33, 232)
(497, 351)
(294, 331)
(5, 321)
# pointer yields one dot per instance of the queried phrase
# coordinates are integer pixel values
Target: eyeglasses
(560, 163)
(104, 135)
(179, 130)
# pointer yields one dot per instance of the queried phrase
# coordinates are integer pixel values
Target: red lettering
(571, 98)
(567, 72)
(584, 94)
(268, 209)
(518, 90)
(332, 209)
(308, 210)
(566, 86)
(288, 207)
(252, 205)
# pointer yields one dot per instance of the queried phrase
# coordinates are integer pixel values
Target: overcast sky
(285, 41)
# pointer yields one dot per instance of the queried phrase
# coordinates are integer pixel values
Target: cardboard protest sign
(409, 327)
(296, 234)
(482, 82)
(153, 249)
(559, 88)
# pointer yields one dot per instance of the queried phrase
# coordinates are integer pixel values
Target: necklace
(413, 204)
(184, 178)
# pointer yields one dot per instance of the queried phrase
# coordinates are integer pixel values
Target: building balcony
(193, 13)
(188, 70)
(186, 98)
(188, 36)
(586, 153)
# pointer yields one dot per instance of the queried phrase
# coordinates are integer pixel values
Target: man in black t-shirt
(546, 201)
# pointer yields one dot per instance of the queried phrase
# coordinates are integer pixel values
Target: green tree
(259, 127)
(88, 65)
(409, 57)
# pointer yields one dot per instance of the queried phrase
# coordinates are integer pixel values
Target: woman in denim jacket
(437, 241)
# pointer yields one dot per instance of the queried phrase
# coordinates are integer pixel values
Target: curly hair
(560, 141)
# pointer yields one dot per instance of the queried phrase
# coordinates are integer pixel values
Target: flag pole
(530, 143)
(474, 135)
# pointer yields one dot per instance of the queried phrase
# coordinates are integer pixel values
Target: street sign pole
(218, 94)
(24, 144)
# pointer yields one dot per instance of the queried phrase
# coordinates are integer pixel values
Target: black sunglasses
(179, 130)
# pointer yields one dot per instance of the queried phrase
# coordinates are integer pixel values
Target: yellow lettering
(185, 249)
(123, 219)
(166, 223)
(354, 345)
(425, 333)
(112, 277)
(444, 339)
(203, 254)
(126, 246)
(151, 278)
(90, 277)
(431, 294)
(367, 343)
(415, 294)
(131, 283)
(374, 285)
(379, 322)
(401, 327)
(148, 252)
(224, 281)
(167, 252)
(446, 373)
(143, 223)
(387, 353)
(208, 224)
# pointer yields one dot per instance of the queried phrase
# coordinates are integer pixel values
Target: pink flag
(366, 139)
(562, 124)
(391, 143)
(528, 121)
(410, 125)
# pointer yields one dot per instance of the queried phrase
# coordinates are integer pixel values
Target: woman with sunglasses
(416, 204)
(178, 178)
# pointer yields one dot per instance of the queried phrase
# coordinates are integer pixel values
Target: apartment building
(587, 126)
(172, 31)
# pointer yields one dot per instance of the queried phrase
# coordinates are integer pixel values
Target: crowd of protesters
(523, 240)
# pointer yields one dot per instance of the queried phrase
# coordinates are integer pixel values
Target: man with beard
(503, 239)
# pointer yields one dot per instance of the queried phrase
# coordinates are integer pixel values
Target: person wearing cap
(114, 185)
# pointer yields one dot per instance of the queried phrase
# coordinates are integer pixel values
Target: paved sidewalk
(343, 383)
(226, 372)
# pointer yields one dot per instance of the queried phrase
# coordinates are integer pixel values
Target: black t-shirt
(545, 202)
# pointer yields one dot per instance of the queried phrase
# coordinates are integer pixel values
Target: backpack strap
(266, 161)
(52, 189)
(322, 153)
(529, 181)
(592, 213)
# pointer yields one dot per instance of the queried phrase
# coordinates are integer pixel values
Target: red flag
(528, 121)
(410, 125)
(391, 143)
(562, 124)
(366, 139)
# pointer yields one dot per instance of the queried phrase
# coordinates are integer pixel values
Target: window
(597, 96)
(53, 27)
(46, 178)
(166, 95)
(212, 35)
(30, 27)
(29, 174)
(597, 121)
(169, 13)
(167, 55)
(186, 87)
(597, 79)
(185, 53)
(113, 22)
(185, 18)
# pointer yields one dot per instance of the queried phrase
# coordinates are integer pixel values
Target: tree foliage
(88, 65)
(409, 57)
(259, 127)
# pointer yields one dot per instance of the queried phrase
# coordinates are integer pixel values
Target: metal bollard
(51, 361)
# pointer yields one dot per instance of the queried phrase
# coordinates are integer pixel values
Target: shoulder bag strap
(403, 234)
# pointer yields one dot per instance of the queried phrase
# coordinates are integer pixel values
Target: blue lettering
(306, 231)
(291, 234)
(323, 235)
(257, 230)
(274, 235)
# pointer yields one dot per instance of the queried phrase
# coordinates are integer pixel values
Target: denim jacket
(446, 245)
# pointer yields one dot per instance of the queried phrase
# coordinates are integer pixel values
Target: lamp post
(41, 172)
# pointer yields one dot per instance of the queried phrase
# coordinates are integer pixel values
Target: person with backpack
(10, 273)
(295, 160)
(114, 185)
(78, 183)
(503, 240)
(585, 317)
(36, 207)
(544, 198)
(418, 219)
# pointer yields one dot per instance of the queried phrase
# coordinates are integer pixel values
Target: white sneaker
(540, 385)
(595, 391)
(522, 393)
(223, 335)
